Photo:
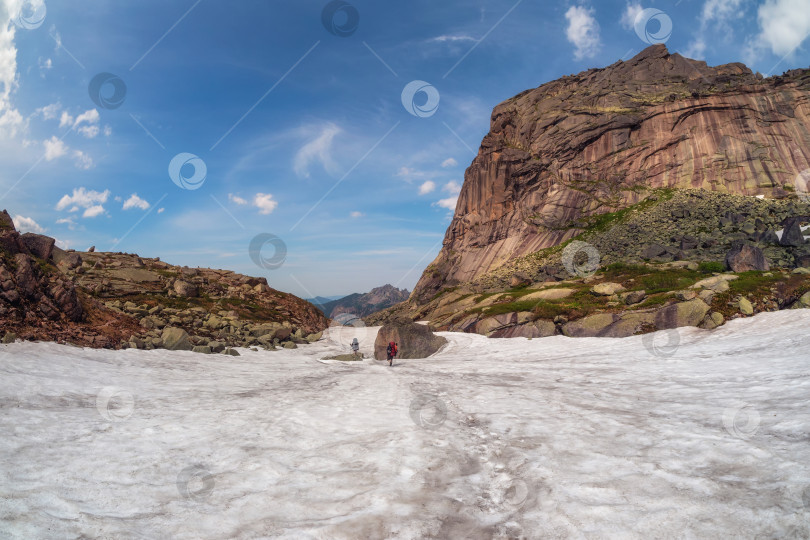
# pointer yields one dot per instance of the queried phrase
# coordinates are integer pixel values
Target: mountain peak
(598, 141)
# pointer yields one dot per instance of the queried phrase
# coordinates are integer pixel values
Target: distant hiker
(355, 347)
(392, 352)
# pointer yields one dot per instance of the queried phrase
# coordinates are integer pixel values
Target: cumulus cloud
(11, 121)
(65, 120)
(26, 224)
(236, 199)
(631, 11)
(265, 203)
(82, 160)
(449, 203)
(67, 221)
(357, 214)
(715, 20)
(452, 187)
(160, 210)
(427, 187)
(93, 211)
(784, 25)
(54, 148)
(317, 149)
(135, 202)
(87, 123)
(91, 201)
(49, 112)
(583, 32)
(449, 162)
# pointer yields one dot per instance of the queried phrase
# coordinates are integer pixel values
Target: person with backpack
(392, 352)
(355, 347)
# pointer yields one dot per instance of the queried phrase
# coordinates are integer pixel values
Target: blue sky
(302, 132)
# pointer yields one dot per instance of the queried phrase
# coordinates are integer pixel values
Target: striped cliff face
(594, 142)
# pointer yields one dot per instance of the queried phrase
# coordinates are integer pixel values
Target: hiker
(392, 352)
(355, 347)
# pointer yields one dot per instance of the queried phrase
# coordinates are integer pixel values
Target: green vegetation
(649, 278)
(711, 267)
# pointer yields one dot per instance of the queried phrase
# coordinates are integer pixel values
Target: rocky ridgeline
(361, 305)
(122, 300)
(678, 258)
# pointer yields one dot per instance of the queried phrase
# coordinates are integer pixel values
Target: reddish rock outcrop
(593, 142)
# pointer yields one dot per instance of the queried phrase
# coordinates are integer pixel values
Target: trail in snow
(544, 438)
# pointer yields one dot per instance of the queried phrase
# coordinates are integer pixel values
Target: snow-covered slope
(696, 434)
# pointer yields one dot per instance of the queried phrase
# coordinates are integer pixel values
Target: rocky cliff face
(598, 141)
(365, 304)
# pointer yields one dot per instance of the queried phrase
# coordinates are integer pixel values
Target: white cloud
(49, 112)
(54, 148)
(449, 162)
(265, 203)
(87, 124)
(427, 187)
(236, 199)
(452, 187)
(784, 25)
(696, 49)
(107, 131)
(66, 120)
(357, 214)
(318, 149)
(583, 31)
(93, 211)
(82, 160)
(83, 198)
(25, 224)
(628, 19)
(135, 202)
(160, 210)
(452, 38)
(67, 221)
(45, 64)
(449, 203)
(715, 20)
(11, 121)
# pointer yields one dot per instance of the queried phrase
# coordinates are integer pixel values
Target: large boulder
(607, 288)
(689, 313)
(487, 326)
(176, 339)
(185, 289)
(590, 326)
(39, 245)
(535, 329)
(745, 257)
(414, 340)
(792, 234)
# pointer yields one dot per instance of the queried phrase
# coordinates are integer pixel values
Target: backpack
(393, 347)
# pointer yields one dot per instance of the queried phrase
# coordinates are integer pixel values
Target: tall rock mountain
(366, 304)
(596, 142)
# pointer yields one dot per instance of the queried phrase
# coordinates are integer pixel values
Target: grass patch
(711, 267)
(652, 280)
(667, 280)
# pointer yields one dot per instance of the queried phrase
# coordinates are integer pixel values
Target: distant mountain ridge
(366, 304)
(319, 301)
